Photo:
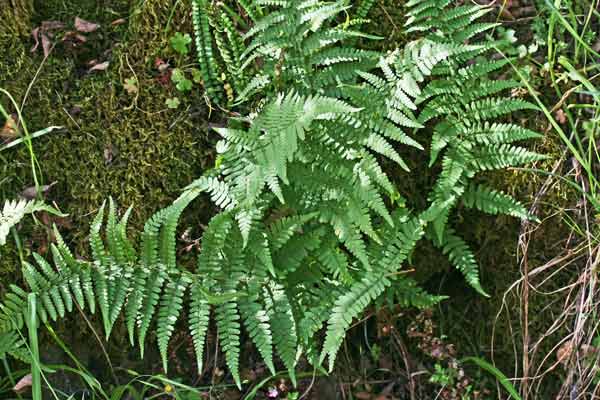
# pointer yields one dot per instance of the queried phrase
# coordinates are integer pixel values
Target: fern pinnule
(493, 201)
(171, 304)
(229, 328)
(283, 326)
(258, 324)
(199, 317)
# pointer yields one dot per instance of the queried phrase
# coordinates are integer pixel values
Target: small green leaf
(180, 43)
(181, 82)
(184, 85)
(177, 75)
(173, 102)
(196, 75)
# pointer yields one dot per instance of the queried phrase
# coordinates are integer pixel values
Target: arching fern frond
(311, 230)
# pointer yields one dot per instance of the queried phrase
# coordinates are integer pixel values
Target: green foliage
(179, 43)
(14, 211)
(173, 102)
(311, 231)
(181, 82)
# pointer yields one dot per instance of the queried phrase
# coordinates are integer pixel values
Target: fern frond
(169, 309)
(204, 48)
(461, 257)
(502, 156)
(258, 324)
(228, 324)
(407, 232)
(493, 202)
(199, 314)
(283, 326)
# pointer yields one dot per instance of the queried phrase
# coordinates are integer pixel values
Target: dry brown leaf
(100, 67)
(363, 395)
(9, 130)
(564, 353)
(560, 116)
(85, 26)
(52, 25)
(74, 37)
(46, 44)
(35, 33)
(24, 383)
(31, 192)
(44, 34)
(119, 21)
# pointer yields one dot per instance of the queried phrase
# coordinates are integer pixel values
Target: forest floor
(106, 87)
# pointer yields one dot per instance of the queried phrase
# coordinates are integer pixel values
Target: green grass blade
(32, 322)
(486, 366)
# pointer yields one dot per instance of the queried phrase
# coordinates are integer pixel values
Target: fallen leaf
(119, 21)
(35, 33)
(9, 130)
(46, 44)
(85, 26)
(100, 67)
(44, 33)
(52, 25)
(23, 384)
(363, 395)
(31, 192)
(564, 353)
(560, 116)
(74, 37)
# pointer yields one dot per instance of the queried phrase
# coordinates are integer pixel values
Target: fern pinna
(312, 231)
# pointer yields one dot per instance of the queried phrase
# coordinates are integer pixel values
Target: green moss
(15, 16)
(129, 146)
(386, 20)
(126, 145)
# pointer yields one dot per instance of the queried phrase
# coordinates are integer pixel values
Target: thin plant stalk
(32, 322)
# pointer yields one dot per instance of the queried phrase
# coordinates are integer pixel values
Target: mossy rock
(114, 142)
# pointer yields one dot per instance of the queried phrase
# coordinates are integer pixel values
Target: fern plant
(15, 210)
(312, 230)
